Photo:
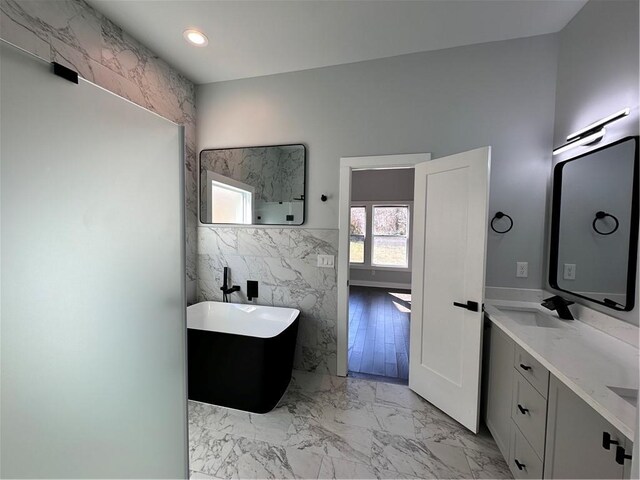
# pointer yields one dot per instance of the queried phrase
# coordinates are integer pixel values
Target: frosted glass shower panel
(92, 293)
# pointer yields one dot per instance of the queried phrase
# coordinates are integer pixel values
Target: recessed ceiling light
(194, 37)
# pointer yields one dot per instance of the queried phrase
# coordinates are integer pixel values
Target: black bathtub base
(240, 372)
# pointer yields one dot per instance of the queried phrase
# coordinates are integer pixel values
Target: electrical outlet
(569, 271)
(522, 269)
(326, 261)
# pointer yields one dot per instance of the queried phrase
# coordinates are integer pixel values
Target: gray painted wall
(381, 186)
(500, 94)
(76, 35)
(598, 75)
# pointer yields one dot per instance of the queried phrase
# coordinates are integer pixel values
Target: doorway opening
(379, 248)
(380, 220)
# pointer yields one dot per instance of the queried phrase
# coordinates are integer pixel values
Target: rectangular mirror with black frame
(253, 185)
(594, 228)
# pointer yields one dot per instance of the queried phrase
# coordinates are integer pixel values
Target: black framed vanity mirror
(594, 227)
(253, 185)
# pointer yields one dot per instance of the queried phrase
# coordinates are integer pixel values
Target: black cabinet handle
(621, 456)
(607, 442)
(473, 306)
(521, 466)
(522, 409)
(525, 367)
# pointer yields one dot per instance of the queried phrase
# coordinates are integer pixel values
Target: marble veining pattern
(332, 427)
(284, 261)
(73, 33)
(276, 173)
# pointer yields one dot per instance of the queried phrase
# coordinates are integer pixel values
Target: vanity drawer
(532, 370)
(529, 412)
(523, 461)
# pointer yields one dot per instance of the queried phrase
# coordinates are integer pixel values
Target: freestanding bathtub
(240, 356)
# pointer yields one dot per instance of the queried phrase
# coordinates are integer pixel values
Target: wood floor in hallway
(379, 331)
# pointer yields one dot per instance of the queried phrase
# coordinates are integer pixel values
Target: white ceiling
(264, 37)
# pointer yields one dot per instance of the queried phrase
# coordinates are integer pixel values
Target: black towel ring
(601, 215)
(498, 216)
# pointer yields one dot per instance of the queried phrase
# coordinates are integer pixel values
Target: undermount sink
(530, 317)
(629, 395)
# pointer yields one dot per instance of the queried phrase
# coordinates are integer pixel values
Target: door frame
(347, 166)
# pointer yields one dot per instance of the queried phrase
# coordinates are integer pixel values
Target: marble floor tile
(342, 392)
(193, 475)
(334, 468)
(399, 396)
(208, 449)
(487, 465)
(273, 426)
(257, 459)
(331, 439)
(434, 425)
(333, 427)
(357, 415)
(220, 419)
(416, 457)
(396, 420)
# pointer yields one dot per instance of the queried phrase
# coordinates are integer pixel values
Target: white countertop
(584, 358)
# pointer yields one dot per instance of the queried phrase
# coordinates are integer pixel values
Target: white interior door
(449, 250)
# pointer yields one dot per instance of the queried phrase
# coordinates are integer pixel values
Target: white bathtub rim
(257, 321)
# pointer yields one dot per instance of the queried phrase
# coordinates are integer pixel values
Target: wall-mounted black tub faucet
(560, 305)
(226, 290)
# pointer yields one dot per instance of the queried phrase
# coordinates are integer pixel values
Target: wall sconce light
(591, 133)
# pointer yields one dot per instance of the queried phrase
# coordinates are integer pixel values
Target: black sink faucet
(226, 290)
(560, 305)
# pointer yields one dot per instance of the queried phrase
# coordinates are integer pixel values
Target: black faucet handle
(555, 301)
(560, 305)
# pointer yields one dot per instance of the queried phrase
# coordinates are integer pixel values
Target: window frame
(247, 191)
(366, 235)
(368, 239)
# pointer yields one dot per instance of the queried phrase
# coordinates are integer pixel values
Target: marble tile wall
(284, 261)
(74, 34)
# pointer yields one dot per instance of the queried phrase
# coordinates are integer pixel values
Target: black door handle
(521, 466)
(621, 455)
(606, 441)
(525, 367)
(473, 306)
(522, 409)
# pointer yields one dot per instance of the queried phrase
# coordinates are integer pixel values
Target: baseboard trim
(368, 283)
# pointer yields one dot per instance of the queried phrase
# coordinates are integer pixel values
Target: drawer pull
(521, 466)
(621, 456)
(607, 442)
(522, 409)
(525, 367)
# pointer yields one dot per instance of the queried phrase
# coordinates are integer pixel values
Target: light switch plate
(326, 261)
(522, 269)
(569, 271)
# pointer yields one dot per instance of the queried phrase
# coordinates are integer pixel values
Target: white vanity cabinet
(498, 384)
(516, 409)
(577, 437)
(542, 428)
